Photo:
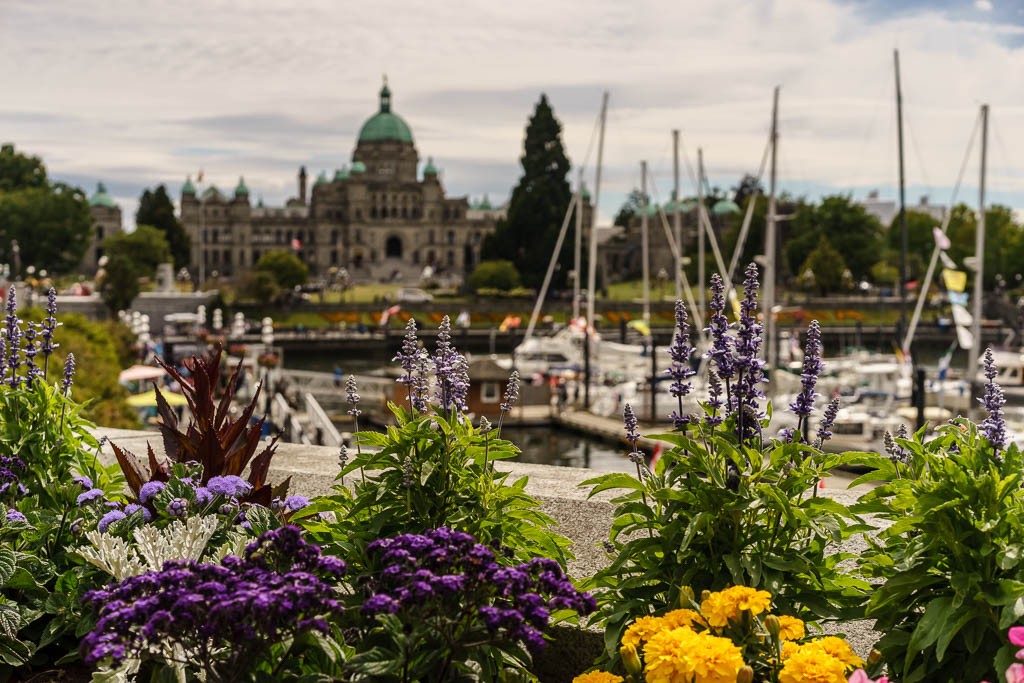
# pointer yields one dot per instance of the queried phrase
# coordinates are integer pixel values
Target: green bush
(500, 275)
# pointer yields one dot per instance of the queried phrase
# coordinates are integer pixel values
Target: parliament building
(381, 217)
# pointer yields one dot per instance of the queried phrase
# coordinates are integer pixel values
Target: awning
(148, 399)
(140, 372)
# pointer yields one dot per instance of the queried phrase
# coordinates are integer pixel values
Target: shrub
(497, 275)
(951, 565)
(728, 504)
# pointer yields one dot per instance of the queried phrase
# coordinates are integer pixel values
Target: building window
(359, 236)
(227, 257)
(334, 236)
(451, 237)
(430, 237)
(451, 257)
(99, 232)
(405, 212)
(489, 392)
(278, 238)
(334, 257)
(215, 235)
(394, 212)
(373, 212)
(359, 214)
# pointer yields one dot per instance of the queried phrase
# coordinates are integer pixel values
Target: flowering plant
(434, 469)
(950, 566)
(439, 600)
(730, 635)
(728, 504)
(246, 615)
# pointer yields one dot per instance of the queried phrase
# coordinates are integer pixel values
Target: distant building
(106, 218)
(383, 217)
(886, 210)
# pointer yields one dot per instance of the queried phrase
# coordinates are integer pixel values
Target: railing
(325, 433)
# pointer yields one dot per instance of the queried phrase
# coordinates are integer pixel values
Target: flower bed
(425, 561)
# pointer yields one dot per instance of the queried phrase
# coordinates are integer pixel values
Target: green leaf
(936, 616)
(9, 620)
(8, 563)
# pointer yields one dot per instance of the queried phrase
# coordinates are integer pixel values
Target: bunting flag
(955, 280)
(964, 338)
(388, 312)
(509, 322)
(941, 239)
(640, 326)
(961, 316)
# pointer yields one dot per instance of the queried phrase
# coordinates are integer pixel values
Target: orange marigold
(812, 665)
(838, 648)
(682, 655)
(725, 605)
(641, 630)
(597, 677)
(791, 628)
(682, 618)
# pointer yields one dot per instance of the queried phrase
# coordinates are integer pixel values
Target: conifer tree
(528, 234)
(157, 210)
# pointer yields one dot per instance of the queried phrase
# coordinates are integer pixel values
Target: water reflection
(548, 446)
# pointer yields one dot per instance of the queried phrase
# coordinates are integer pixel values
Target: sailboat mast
(677, 223)
(903, 198)
(578, 252)
(645, 247)
(770, 242)
(592, 251)
(701, 283)
(979, 256)
(592, 254)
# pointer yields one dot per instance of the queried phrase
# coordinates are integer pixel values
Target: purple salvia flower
(716, 403)
(408, 475)
(786, 435)
(31, 371)
(50, 323)
(13, 354)
(720, 352)
(447, 368)
(680, 370)
(827, 420)
(69, 373)
(406, 357)
(631, 424)
(352, 396)
(749, 366)
(421, 382)
(994, 426)
(511, 392)
(804, 403)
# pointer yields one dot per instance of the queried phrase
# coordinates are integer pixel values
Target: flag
(388, 312)
(659, 448)
(955, 280)
(941, 239)
(958, 298)
(946, 261)
(199, 176)
(641, 327)
(296, 244)
(509, 322)
(944, 362)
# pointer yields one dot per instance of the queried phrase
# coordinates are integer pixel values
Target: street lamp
(267, 337)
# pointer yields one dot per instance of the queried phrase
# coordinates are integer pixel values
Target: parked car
(412, 295)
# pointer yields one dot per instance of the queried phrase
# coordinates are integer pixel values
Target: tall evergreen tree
(528, 234)
(157, 210)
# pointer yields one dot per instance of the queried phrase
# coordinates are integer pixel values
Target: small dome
(341, 174)
(725, 206)
(241, 189)
(212, 193)
(358, 167)
(485, 204)
(188, 187)
(101, 198)
(652, 209)
(585, 193)
(384, 125)
(321, 179)
(429, 168)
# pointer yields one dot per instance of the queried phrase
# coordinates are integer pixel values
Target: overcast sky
(141, 92)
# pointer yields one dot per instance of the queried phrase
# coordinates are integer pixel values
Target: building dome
(724, 207)
(241, 189)
(429, 169)
(101, 198)
(188, 187)
(341, 174)
(358, 167)
(321, 179)
(384, 125)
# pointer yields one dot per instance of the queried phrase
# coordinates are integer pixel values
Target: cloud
(136, 96)
(983, 5)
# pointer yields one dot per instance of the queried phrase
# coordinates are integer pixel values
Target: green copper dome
(586, 193)
(358, 167)
(241, 189)
(485, 204)
(429, 168)
(321, 179)
(341, 173)
(101, 198)
(385, 125)
(725, 206)
(212, 193)
(188, 187)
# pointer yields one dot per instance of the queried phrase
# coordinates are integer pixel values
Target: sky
(141, 92)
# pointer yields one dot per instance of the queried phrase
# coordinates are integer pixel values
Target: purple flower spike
(630, 422)
(421, 382)
(720, 352)
(804, 403)
(994, 426)
(451, 371)
(69, 373)
(749, 367)
(680, 370)
(511, 392)
(406, 357)
(352, 396)
(827, 420)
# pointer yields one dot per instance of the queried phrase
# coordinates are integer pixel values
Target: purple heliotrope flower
(15, 516)
(177, 507)
(229, 485)
(108, 519)
(89, 496)
(133, 508)
(994, 425)
(280, 588)
(150, 489)
(804, 403)
(204, 496)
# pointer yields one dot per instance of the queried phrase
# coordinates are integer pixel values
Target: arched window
(393, 247)
(451, 237)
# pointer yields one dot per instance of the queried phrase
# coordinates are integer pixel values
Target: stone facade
(382, 218)
(106, 218)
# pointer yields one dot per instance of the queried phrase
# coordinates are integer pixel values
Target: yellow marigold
(682, 618)
(788, 648)
(838, 648)
(791, 628)
(597, 677)
(679, 655)
(812, 665)
(721, 607)
(641, 630)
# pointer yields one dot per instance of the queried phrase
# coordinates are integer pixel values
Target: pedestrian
(339, 378)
